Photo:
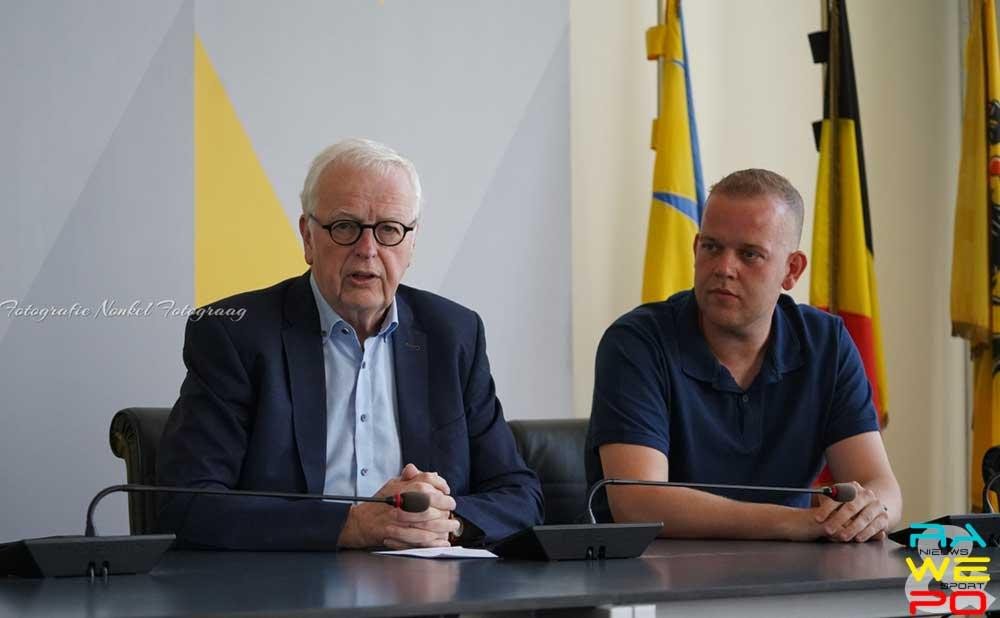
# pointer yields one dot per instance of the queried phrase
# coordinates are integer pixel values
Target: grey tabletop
(362, 584)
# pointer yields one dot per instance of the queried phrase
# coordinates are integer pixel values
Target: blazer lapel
(409, 347)
(303, 346)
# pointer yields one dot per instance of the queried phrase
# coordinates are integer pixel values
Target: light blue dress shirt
(362, 428)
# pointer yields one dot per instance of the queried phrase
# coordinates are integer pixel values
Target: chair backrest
(135, 435)
(553, 448)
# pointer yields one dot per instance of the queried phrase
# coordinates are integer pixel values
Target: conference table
(673, 577)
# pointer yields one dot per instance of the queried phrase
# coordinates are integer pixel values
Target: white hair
(363, 154)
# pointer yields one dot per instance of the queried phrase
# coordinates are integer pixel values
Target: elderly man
(343, 381)
(735, 383)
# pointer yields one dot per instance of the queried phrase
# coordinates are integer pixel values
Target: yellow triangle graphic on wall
(242, 237)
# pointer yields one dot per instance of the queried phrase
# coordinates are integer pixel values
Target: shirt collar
(783, 354)
(786, 348)
(696, 357)
(330, 319)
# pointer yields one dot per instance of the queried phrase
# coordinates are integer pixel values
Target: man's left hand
(863, 519)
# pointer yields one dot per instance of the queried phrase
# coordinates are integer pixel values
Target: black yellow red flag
(843, 267)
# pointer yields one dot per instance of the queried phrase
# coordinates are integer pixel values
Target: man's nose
(725, 265)
(366, 246)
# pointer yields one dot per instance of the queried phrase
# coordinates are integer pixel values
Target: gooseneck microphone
(594, 541)
(409, 501)
(840, 492)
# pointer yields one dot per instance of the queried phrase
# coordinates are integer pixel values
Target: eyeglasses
(347, 232)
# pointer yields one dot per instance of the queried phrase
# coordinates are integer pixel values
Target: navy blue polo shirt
(658, 384)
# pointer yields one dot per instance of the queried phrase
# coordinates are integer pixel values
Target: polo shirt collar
(697, 359)
(784, 352)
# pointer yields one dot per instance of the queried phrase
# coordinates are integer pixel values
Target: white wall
(756, 93)
(910, 100)
(612, 103)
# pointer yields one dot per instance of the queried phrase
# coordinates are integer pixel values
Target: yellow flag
(678, 196)
(975, 295)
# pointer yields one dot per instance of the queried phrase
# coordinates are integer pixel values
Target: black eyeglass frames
(346, 232)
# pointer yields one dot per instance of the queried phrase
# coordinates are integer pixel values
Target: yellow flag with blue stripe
(678, 196)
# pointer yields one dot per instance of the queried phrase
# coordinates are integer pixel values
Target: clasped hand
(371, 524)
(862, 519)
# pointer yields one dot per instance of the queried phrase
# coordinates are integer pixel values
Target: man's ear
(411, 237)
(694, 245)
(797, 263)
(306, 233)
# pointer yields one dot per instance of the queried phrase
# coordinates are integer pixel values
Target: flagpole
(659, 61)
(833, 197)
(969, 382)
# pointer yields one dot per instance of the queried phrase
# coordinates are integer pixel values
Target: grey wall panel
(514, 263)
(126, 238)
(69, 69)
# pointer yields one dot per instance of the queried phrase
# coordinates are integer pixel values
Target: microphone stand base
(578, 542)
(83, 556)
(987, 525)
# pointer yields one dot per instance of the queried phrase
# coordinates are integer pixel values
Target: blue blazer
(252, 415)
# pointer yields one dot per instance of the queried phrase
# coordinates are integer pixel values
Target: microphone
(840, 492)
(409, 501)
(75, 555)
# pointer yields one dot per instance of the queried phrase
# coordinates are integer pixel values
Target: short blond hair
(756, 182)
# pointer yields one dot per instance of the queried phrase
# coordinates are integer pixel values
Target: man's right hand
(369, 524)
(862, 519)
(812, 524)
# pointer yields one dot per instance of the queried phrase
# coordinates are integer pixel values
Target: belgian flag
(678, 196)
(843, 276)
(975, 293)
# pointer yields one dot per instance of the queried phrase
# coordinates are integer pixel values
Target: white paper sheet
(440, 552)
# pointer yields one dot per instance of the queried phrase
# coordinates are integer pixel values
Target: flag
(975, 297)
(678, 196)
(843, 275)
